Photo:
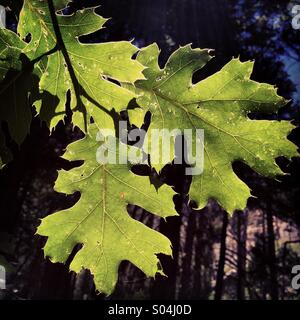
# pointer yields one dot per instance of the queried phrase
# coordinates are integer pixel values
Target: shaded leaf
(17, 80)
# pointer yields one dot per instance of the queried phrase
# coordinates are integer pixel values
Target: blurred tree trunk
(241, 253)
(2, 17)
(222, 258)
(272, 256)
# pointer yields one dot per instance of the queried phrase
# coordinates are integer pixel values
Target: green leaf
(85, 69)
(11, 86)
(17, 80)
(99, 219)
(220, 105)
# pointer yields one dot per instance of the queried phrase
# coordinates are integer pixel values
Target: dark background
(248, 256)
